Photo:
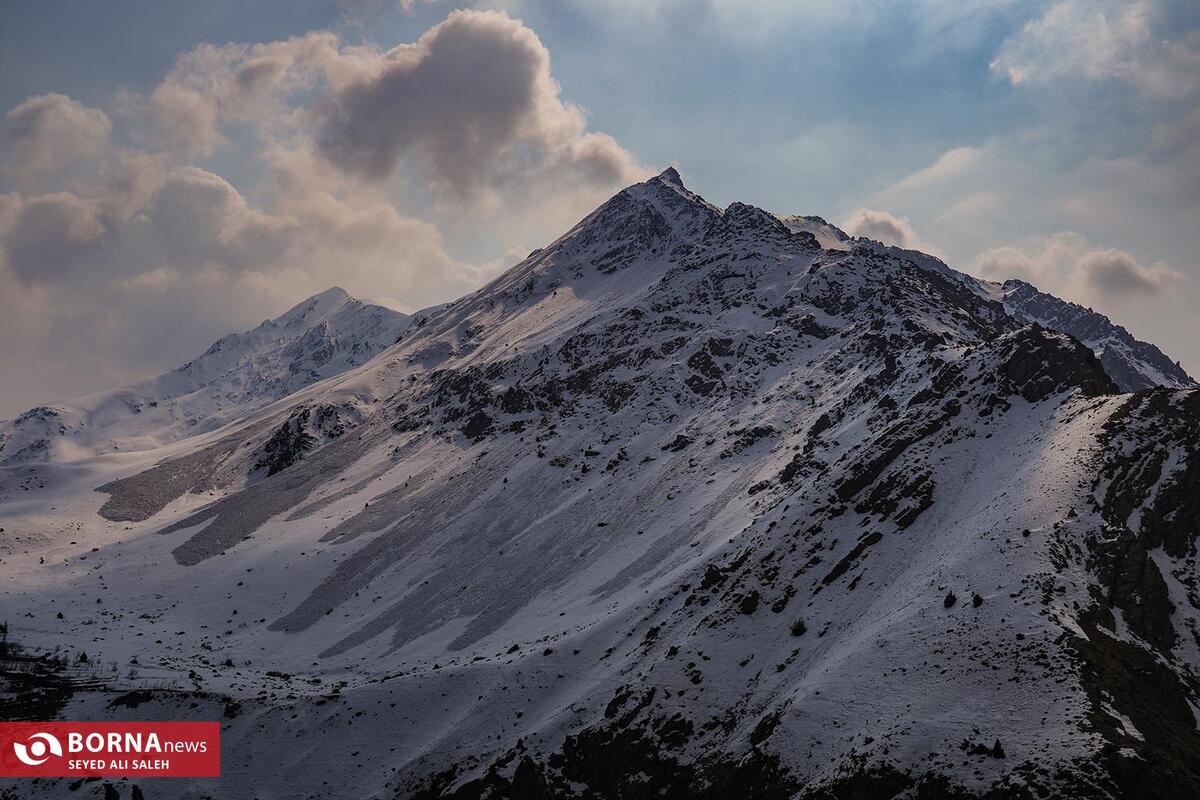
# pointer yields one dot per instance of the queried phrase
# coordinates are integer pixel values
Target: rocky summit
(692, 502)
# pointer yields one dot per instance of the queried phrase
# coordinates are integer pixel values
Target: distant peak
(316, 306)
(332, 293)
(671, 175)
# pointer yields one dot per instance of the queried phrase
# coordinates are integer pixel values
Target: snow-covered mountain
(685, 504)
(322, 336)
(1131, 363)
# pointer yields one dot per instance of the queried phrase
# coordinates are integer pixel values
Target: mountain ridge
(1134, 364)
(319, 337)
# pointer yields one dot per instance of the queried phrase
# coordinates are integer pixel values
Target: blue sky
(151, 169)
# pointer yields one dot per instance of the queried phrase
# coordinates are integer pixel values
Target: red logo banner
(110, 749)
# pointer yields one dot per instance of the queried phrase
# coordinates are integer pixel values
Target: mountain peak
(671, 175)
(318, 305)
(333, 292)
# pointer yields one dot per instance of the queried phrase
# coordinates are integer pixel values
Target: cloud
(1115, 272)
(475, 101)
(882, 227)
(121, 257)
(511, 257)
(931, 27)
(192, 220)
(353, 9)
(1120, 81)
(1067, 265)
(1102, 40)
(1030, 183)
(471, 107)
(50, 132)
(149, 265)
(187, 118)
(51, 236)
(212, 86)
(127, 284)
(888, 229)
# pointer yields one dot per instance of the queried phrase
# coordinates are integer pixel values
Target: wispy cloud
(1101, 40)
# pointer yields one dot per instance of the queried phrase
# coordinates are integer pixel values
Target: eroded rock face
(1152, 469)
(1041, 363)
(1135, 586)
(1148, 493)
(1142, 707)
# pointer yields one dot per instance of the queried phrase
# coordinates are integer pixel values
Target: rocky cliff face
(685, 504)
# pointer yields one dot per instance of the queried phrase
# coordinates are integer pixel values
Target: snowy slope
(828, 235)
(683, 505)
(322, 336)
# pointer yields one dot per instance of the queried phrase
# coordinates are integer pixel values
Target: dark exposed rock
(478, 426)
(287, 445)
(1124, 358)
(1135, 586)
(851, 558)
(1138, 488)
(1042, 363)
(1142, 688)
(748, 603)
(629, 763)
